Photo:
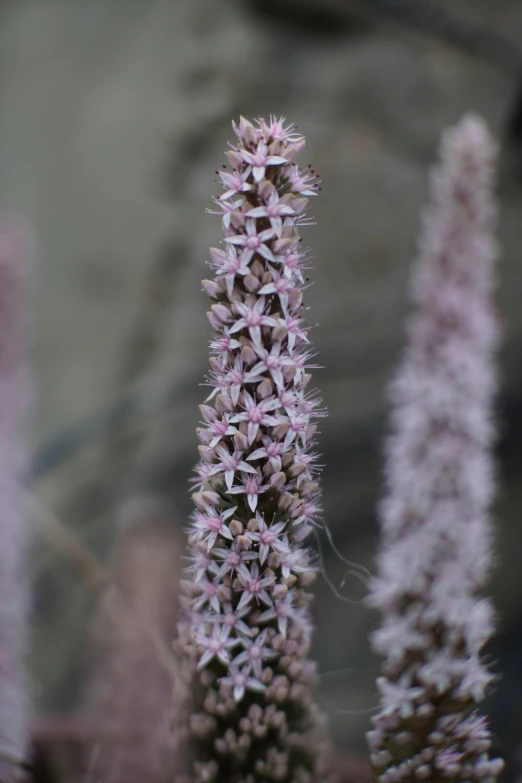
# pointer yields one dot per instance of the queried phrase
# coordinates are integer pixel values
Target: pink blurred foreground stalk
(131, 691)
(436, 536)
(14, 389)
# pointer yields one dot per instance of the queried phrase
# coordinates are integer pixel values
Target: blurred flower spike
(436, 551)
(16, 249)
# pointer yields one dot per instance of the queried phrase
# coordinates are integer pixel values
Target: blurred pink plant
(130, 693)
(436, 537)
(15, 391)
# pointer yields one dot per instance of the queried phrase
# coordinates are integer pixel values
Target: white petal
(225, 532)
(257, 212)
(265, 251)
(253, 428)
(205, 658)
(236, 240)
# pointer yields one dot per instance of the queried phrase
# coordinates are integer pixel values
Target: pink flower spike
(436, 538)
(250, 572)
(260, 160)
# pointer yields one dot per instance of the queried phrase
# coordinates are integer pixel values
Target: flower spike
(247, 628)
(436, 538)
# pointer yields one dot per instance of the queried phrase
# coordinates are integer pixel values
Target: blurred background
(114, 115)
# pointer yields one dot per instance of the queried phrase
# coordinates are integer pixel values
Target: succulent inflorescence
(247, 628)
(436, 552)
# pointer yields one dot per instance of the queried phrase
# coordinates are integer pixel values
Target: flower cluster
(436, 551)
(257, 496)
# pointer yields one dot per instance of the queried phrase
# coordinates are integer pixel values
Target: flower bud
(285, 501)
(241, 441)
(279, 592)
(203, 434)
(307, 579)
(278, 480)
(209, 414)
(243, 542)
(279, 333)
(235, 160)
(224, 404)
(216, 365)
(214, 322)
(221, 312)
(280, 430)
(237, 219)
(266, 189)
(251, 283)
(236, 527)
(206, 454)
(296, 469)
(211, 288)
(257, 268)
(295, 149)
(264, 389)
